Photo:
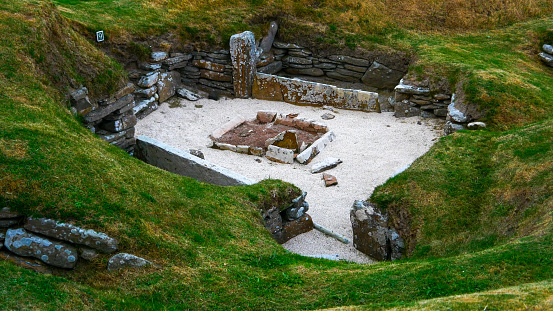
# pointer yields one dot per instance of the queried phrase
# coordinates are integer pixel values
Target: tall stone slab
(243, 55)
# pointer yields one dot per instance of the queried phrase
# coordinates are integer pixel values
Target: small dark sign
(100, 36)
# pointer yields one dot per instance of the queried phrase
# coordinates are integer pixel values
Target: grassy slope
(210, 241)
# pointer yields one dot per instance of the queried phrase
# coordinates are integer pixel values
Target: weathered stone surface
(325, 66)
(442, 96)
(224, 146)
(271, 68)
(234, 122)
(267, 41)
(243, 55)
(197, 153)
(324, 165)
(441, 112)
(187, 94)
(213, 75)
(371, 233)
(257, 151)
(281, 45)
(547, 59)
(280, 155)
(6, 223)
(476, 125)
(183, 163)
(149, 66)
(286, 139)
(116, 126)
(427, 114)
(73, 234)
(409, 89)
(265, 60)
(145, 107)
(177, 59)
(203, 64)
(167, 85)
(341, 77)
(293, 228)
(381, 77)
(547, 48)
(158, 56)
(405, 110)
(80, 101)
(309, 125)
(6, 212)
(350, 60)
(315, 72)
(124, 260)
(297, 208)
(312, 151)
(455, 113)
(58, 254)
(2, 236)
(88, 253)
(146, 93)
(116, 136)
(330, 180)
(26, 263)
(148, 80)
(79, 94)
(297, 60)
(243, 149)
(267, 87)
(265, 116)
(273, 221)
(328, 116)
(350, 73)
(126, 90)
(451, 127)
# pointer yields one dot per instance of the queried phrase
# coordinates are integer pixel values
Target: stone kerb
(182, 163)
(297, 91)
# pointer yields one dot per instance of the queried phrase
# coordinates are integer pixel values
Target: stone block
(547, 48)
(324, 165)
(330, 180)
(282, 45)
(405, 110)
(124, 260)
(350, 60)
(187, 94)
(99, 114)
(337, 76)
(167, 85)
(293, 228)
(203, 64)
(58, 254)
(280, 155)
(216, 76)
(145, 107)
(312, 151)
(271, 68)
(157, 57)
(547, 59)
(265, 116)
(267, 87)
(451, 127)
(267, 41)
(410, 89)
(146, 93)
(126, 90)
(381, 77)
(149, 80)
(315, 72)
(243, 55)
(116, 126)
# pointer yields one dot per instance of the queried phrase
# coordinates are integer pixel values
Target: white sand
(372, 147)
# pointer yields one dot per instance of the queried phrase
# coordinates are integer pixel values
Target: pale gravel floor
(372, 147)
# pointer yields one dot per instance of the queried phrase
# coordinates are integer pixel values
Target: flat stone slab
(234, 122)
(412, 90)
(124, 260)
(73, 234)
(325, 165)
(312, 151)
(280, 155)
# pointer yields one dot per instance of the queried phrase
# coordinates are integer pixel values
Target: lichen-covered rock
(158, 56)
(243, 55)
(88, 253)
(149, 80)
(124, 260)
(271, 68)
(547, 59)
(410, 89)
(73, 234)
(280, 155)
(146, 93)
(145, 107)
(115, 126)
(404, 109)
(108, 109)
(55, 253)
(27, 263)
(324, 165)
(187, 94)
(167, 85)
(371, 233)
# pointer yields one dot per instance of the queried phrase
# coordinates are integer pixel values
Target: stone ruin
(280, 138)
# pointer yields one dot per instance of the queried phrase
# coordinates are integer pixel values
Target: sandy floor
(372, 147)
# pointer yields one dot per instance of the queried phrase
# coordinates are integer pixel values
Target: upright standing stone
(243, 55)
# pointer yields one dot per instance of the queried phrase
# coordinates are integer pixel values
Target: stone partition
(182, 163)
(296, 91)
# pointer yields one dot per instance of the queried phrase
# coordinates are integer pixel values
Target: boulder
(73, 234)
(451, 127)
(187, 94)
(145, 107)
(371, 233)
(330, 180)
(267, 41)
(265, 116)
(271, 68)
(476, 125)
(328, 116)
(80, 101)
(149, 66)
(55, 253)
(272, 220)
(243, 55)
(280, 155)
(350, 60)
(381, 77)
(124, 260)
(167, 85)
(547, 59)
(547, 48)
(149, 80)
(325, 165)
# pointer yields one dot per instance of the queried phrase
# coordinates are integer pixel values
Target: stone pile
(547, 55)
(50, 242)
(293, 220)
(113, 119)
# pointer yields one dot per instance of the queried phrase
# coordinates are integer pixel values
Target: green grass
(477, 206)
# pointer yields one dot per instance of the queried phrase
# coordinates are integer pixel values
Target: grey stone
(124, 260)
(120, 125)
(349, 73)
(25, 262)
(547, 59)
(548, 49)
(78, 94)
(267, 41)
(145, 106)
(312, 151)
(6, 212)
(297, 208)
(355, 68)
(6, 223)
(281, 45)
(180, 59)
(427, 114)
(271, 68)
(54, 253)
(183, 163)
(410, 89)
(371, 233)
(298, 66)
(149, 80)
(441, 112)
(451, 127)
(328, 116)
(146, 93)
(73, 234)
(442, 96)
(350, 60)
(325, 66)
(197, 153)
(157, 57)
(149, 66)
(404, 110)
(456, 114)
(324, 165)
(338, 76)
(476, 125)
(167, 85)
(280, 155)
(88, 253)
(315, 72)
(187, 94)
(381, 77)
(243, 55)
(299, 52)
(297, 60)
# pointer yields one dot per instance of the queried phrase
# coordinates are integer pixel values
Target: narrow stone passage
(372, 147)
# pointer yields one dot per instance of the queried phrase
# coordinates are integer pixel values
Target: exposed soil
(254, 134)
